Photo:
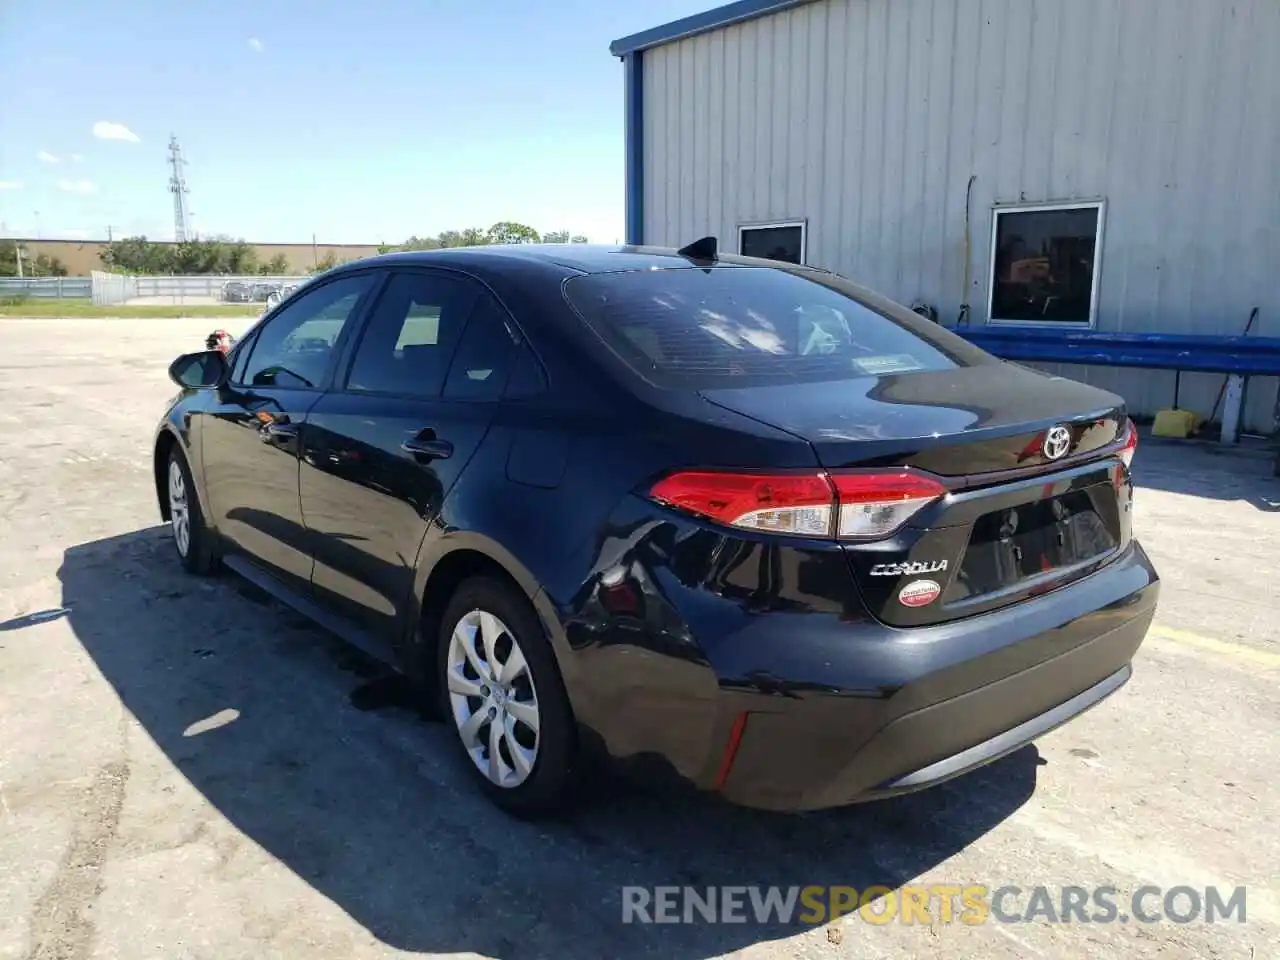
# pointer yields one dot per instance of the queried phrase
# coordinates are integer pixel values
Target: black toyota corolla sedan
(739, 522)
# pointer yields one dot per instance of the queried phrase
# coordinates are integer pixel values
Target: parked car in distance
(260, 292)
(236, 291)
(275, 296)
(733, 521)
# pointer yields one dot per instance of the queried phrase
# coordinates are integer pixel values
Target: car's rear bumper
(946, 719)
(928, 746)
(795, 709)
(999, 745)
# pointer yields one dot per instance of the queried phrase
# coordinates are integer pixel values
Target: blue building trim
(633, 86)
(1245, 356)
(631, 49)
(700, 23)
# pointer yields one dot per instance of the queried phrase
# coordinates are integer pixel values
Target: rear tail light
(876, 504)
(783, 503)
(846, 505)
(1130, 444)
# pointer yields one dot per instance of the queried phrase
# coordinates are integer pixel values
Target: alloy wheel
(493, 699)
(179, 509)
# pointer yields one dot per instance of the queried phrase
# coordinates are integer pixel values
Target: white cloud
(256, 45)
(77, 157)
(82, 187)
(44, 156)
(109, 130)
(10, 184)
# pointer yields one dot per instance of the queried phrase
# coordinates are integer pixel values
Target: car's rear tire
(501, 691)
(191, 538)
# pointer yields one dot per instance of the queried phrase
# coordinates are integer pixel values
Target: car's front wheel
(502, 691)
(191, 537)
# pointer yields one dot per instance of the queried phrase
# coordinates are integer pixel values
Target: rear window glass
(739, 326)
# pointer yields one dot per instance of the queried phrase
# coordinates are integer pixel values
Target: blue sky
(358, 122)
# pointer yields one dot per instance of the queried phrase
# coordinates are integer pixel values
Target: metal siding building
(866, 119)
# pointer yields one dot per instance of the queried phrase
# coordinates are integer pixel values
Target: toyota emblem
(1056, 443)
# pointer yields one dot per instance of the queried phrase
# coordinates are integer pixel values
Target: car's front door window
(297, 345)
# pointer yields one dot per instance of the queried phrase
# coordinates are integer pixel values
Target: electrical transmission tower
(178, 187)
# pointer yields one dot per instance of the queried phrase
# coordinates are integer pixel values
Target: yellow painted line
(1221, 648)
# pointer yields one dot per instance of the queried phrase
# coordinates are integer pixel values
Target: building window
(1044, 261)
(773, 241)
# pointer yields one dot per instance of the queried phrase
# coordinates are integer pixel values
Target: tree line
(223, 255)
(41, 265)
(504, 231)
(217, 255)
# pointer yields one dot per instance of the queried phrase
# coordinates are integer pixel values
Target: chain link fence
(112, 288)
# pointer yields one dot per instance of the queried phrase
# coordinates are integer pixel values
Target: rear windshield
(740, 326)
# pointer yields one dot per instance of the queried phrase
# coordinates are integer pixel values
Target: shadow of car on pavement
(373, 810)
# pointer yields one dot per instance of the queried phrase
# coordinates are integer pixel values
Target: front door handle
(425, 446)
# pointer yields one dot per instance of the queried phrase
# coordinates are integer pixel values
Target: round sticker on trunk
(917, 593)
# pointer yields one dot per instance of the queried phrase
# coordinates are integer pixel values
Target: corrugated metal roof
(730, 13)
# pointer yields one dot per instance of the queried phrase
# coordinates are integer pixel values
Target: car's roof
(576, 257)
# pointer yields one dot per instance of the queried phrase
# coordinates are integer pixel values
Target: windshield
(735, 326)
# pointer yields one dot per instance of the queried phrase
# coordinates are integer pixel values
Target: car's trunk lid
(955, 423)
(1016, 522)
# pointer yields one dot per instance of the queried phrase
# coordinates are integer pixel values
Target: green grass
(34, 308)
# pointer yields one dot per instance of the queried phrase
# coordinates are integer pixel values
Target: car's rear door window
(483, 358)
(738, 326)
(413, 331)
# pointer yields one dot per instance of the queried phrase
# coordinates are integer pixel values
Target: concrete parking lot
(188, 770)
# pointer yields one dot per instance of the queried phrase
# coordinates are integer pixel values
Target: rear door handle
(425, 446)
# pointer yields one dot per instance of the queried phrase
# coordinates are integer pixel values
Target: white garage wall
(867, 118)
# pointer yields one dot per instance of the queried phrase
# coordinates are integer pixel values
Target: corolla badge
(1057, 441)
(908, 569)
(918, 593)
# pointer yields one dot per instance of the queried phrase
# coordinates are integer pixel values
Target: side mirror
(193, 371)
